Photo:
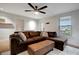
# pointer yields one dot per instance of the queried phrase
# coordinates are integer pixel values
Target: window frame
(65, 26)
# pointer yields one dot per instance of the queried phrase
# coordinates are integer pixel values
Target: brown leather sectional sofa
(18, 44)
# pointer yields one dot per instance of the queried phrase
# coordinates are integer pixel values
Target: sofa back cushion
(34, 34)
(26, 34)
(30, 34)
(52, 34)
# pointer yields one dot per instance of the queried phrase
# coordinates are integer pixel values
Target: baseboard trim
(73, 45)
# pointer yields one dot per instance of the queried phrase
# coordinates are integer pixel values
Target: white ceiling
(53, 9)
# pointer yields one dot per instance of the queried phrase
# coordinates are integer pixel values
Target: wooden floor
(67, 51)
(4, 45)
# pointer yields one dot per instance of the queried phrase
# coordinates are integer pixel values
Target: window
(65, 26)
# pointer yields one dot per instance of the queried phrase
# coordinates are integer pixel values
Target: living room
(61, 18)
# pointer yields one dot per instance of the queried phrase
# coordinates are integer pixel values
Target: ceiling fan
(36, 9)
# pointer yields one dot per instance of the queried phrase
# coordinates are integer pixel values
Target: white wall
(27, 27)
(54, 25)
(15, 20)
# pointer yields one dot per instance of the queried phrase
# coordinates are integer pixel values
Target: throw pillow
(44, 34)
(22, 36)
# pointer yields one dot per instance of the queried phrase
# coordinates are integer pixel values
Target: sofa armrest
(17, 45)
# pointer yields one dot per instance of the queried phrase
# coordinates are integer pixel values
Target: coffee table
(40, 48)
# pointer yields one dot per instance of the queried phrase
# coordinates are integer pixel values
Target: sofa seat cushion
(58, 39)
(38, 38)
(35, 39)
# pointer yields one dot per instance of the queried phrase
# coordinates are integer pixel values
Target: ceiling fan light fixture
(36, 12)
(36, 9)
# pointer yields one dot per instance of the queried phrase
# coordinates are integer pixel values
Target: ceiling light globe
(36, 12)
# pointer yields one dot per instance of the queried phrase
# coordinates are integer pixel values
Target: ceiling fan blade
(42, 7)
(36, 7)
(31, 5)
(28, 10)
(42, 12)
